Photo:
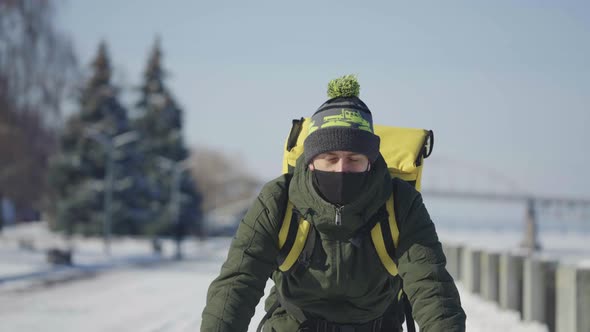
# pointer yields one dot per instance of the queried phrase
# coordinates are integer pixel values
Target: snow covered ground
(23, 251)
(167, 295)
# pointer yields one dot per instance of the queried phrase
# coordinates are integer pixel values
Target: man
(339, 184)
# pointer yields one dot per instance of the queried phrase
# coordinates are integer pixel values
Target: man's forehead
(339, 153)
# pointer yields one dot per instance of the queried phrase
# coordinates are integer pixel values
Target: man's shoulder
(277, 186)
(276, 191)
(403, 188)
(405, 196)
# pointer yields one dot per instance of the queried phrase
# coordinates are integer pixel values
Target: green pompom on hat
(343, 123)
(345, 86)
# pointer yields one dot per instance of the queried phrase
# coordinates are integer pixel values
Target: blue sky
(503, 84)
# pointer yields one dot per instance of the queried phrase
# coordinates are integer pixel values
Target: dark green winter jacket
(344, 283)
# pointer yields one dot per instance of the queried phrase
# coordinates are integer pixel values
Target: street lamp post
(177, 168)
(110, 145)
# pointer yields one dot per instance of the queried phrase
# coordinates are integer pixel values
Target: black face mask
(339, 188)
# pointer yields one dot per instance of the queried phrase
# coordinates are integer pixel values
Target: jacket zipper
(338, 220)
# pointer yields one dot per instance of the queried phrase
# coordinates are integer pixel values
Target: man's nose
(343, 166)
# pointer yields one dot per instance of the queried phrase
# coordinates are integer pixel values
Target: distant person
(340, 184)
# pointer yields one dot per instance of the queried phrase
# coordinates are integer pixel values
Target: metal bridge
(495, 187)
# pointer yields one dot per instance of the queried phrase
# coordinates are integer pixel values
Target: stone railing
(540, 289)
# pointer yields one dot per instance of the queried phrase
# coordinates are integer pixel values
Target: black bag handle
(428, 144)
(427, 147)
(296, 128)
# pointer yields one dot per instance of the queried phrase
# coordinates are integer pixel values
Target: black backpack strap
(291, 308)
(408, 313)
(305, 256)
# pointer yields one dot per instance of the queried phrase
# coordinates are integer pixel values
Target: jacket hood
(322, 214)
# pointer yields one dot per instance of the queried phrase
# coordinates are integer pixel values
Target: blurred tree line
(37, 66)
(107, 164)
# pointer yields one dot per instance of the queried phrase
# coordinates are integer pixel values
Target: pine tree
(159, 122)
(91, 144)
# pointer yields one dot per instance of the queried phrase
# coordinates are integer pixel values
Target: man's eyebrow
(354, 155)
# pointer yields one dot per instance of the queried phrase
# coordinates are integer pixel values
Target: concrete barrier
(573, 299)
(539, 291)
(453, 255)
(471, 270)
(511, 282)
(490, 275)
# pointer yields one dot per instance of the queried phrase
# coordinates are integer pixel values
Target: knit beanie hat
(343, 123)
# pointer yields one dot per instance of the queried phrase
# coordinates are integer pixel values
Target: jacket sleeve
(232, 297)
(436, 305)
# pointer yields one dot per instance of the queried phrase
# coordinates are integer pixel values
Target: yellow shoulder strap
(388, 234)
(293, 235)
(292, 238)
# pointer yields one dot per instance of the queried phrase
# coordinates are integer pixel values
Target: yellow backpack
(404, 150)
